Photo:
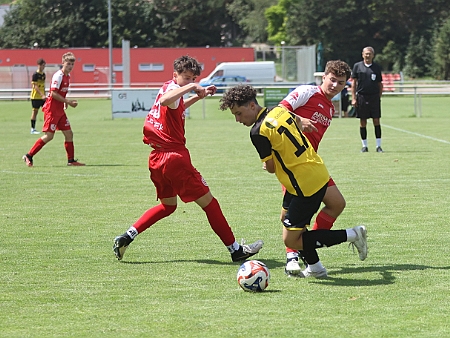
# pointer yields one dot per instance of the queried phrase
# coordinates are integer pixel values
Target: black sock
(363, 133)
(322, 238)
(33, 124)
(309, 257)
(378, 131)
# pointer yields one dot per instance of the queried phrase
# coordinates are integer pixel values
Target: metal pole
(283, 61)
(110, 45)
(415, 101)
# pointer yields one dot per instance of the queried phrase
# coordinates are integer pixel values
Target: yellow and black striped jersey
(277, 136)
(38, 78)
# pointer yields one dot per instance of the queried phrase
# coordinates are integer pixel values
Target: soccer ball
(253, 276)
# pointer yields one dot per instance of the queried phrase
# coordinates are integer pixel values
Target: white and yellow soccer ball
(253, 276)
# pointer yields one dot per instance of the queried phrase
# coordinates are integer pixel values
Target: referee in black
(367, 89)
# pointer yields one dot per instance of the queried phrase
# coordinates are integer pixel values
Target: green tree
(57, 24)
(345, 27)
(276, 17)
(194, 23)
(249, 15)
(442, 52)
(418, 57)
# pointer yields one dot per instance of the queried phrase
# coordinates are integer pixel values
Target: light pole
(283, 61)
(110, 44)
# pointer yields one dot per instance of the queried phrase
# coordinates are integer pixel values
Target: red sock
(69, 150)
(218, 222)
(153, 215)
(290, 250)
(323, 221)
(37, 146)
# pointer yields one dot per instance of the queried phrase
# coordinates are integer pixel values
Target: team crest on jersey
(374, 77)
(271, 123)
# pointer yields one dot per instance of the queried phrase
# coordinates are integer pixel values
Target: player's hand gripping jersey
(311, 103)
(277, 136)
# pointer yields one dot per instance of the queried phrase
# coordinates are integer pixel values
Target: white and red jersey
(60, 84)
(310, 102)
(164, 126)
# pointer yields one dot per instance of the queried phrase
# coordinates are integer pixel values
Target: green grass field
(59, 277)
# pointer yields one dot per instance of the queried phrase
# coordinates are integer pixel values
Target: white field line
(417, 134)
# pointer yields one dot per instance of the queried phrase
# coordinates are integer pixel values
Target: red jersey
(310, 102)
(60, 84)
(164, 126)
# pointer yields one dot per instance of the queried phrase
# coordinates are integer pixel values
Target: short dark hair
(338, 68)
(240, 95)
(40, 61)
(187, 63)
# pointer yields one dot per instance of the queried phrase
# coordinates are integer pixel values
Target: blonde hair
(68, 57)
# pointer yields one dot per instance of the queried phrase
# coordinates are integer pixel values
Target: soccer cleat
(364, 150)
(120, 245)
(34, 131)
(293, 269)
(316, 274)
(28, 160)
(75, 163)
(246, 250)
(361, 241)
(379, 150)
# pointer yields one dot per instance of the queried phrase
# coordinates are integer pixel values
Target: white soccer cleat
(361, 241)
(293, 268)
(246, 250)
(316, 274)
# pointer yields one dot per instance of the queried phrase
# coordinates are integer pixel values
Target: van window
(218, 73)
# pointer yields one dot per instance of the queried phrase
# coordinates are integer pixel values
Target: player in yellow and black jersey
(287, 153)
(277, 136)
(37, 93)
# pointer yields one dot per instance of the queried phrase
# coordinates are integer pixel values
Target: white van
(256, 72)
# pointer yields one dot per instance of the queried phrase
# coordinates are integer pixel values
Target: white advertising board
(132, 103)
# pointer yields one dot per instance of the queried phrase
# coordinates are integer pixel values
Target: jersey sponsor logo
(271, 123)
(322, 119)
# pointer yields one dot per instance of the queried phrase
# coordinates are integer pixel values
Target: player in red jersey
(55, 117)
(313, 104)
(171, 170)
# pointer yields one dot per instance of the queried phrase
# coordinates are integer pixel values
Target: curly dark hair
(240, 95)
(338, 68)
(187, 63)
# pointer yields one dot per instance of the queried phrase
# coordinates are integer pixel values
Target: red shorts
(173, 174)
(53, 123)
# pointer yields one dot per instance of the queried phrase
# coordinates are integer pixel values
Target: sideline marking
(417, 134)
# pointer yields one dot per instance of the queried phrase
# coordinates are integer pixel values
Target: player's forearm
(58, 97)
(172, 95)
(36, 88)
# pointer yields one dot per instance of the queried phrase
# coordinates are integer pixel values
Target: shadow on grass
(386, 274)
(270, 263)
(112, 165)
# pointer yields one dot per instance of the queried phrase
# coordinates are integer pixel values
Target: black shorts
(369, 106)
(36, 104)
(301, 209)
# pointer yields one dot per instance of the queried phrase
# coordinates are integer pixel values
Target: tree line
(408, 35)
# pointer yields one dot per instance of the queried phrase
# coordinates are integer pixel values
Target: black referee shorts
(369, 106)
